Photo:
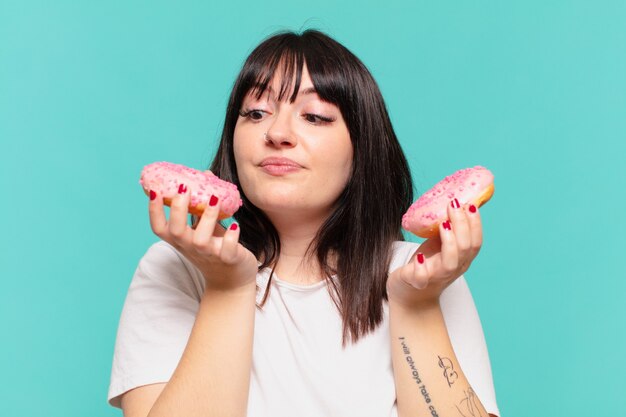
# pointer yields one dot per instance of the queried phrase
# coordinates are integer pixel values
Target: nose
(280, 133)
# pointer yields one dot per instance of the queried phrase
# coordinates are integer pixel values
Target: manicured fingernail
(472, 208)
(213, 201)
(152, 195)
(233, 226)
(420, 257)
(455, 203)
(446, 225)
(182, 189)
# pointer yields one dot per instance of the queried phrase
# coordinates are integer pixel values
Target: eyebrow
(310, 90)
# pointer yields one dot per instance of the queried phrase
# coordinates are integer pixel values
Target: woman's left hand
(445, 258)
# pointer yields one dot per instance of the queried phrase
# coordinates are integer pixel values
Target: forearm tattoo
(416, 376)
(470, 405)
(448, 370)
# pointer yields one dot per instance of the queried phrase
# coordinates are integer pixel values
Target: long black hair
(367, 216)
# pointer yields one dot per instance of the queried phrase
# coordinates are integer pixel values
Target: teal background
(90, 92)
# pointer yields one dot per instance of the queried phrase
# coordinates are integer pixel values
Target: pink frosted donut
(165, 177)
(468, 186)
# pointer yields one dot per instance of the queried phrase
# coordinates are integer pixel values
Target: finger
(230, 244)
(219, 229)
(449, 253)
(178, 227)
(476, 228)
(203, 238)
(158, 221)
(460, 228)
(419, 279)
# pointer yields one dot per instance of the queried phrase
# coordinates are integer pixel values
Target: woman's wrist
(423, 308)
(243, 291)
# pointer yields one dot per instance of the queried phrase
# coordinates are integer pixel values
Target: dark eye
(317, 119)
(256, 115)
(253, 114)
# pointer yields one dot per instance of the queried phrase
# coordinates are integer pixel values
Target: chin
(310, 199)
(278, 202)
(286, 201)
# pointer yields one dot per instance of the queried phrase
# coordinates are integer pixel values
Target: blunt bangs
(284, 56)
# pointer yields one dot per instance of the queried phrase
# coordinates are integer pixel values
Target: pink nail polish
(446, 225)
(233, 226)
(472, 208)
(152, 195)
(213, 201)
(420, 257)
(455, 203)
(182, 189)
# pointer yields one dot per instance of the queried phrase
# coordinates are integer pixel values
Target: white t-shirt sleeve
(156, 320)
(468, 341)
(465, 331)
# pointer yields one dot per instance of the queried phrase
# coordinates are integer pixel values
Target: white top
(298, 366)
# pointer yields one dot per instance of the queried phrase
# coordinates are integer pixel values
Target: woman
(311, 304)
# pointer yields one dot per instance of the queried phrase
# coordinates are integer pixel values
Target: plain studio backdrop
(90, 92)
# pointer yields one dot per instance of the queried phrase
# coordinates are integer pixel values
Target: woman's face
(292, 157)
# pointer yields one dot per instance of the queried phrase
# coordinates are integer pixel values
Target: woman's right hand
(225, 264)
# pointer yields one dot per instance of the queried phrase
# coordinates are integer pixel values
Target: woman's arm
(428, 378)
(213, 375)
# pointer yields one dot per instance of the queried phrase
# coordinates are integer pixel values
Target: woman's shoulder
(161, 256)
(164, 266)
(405, 245)
(402, 252)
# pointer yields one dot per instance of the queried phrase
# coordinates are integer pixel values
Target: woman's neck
(295, 265)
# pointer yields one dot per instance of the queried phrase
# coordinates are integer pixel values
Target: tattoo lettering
(470, 405)
(416, 377)
(448, 370)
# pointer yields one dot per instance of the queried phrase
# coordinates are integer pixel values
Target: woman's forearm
(213, 375)
(429, 380)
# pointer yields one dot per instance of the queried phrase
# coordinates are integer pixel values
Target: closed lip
(281, 161)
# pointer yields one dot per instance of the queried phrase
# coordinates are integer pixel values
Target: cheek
(242, 154)
(347, 170)
(237, 141)
(246, 150)
(337, 163)
(343, 154)
(241, 149)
